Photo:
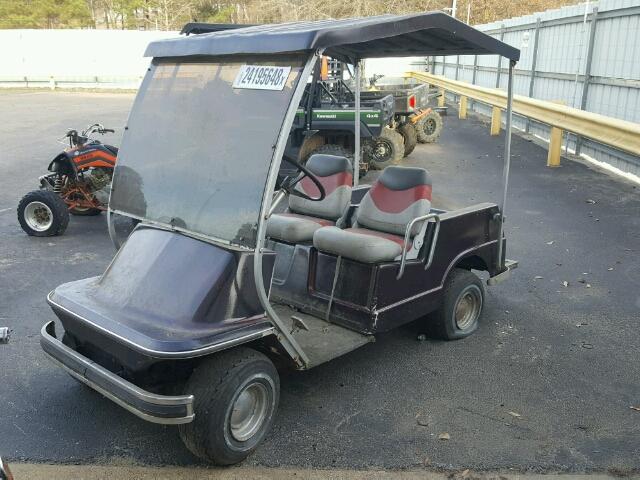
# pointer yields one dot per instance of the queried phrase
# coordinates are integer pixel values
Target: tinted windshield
(199, 143)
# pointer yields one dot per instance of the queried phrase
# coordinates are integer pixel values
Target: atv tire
(429, 127)
(338, 151)
(236, 395)
(410, 136)
(309, 146)
(385, 150)
(42, 213)
(85, 212)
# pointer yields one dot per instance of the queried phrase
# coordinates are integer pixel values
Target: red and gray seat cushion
(304, 217)
(399, 195)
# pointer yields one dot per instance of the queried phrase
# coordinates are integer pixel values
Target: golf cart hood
(165, 295)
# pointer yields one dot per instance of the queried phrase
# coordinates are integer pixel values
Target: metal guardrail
(616, 133)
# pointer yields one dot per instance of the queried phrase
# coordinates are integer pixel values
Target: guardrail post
(496, 120)
(457, 66)
(462, 112)
(52, 83)
(534, 60)
(555, 147)
(441, 97)
(587, 71)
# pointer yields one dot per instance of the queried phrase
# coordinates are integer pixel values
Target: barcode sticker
(262, 77)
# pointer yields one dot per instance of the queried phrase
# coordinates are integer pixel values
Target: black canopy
(422, 34)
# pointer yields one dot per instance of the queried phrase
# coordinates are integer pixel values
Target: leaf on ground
(538, 277)
(637, 409)
(550, 243)
(444, 436)
(565, 283)
(465, 473)
(515, 414)
(590, 201)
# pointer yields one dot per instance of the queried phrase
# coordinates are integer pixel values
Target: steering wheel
(290, 182)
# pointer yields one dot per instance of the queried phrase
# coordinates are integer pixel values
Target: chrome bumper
(149, 406)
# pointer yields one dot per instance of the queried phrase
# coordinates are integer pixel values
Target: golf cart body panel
(199, 275)
(303, 277)
(208, 302)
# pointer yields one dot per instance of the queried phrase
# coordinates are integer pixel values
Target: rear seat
(398, 196)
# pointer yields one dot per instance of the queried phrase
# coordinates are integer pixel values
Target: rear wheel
(462, 303)
(385, 150)
(309, 146)
(236, 396)
(339, 151)
(42, 213)
(410, 136)
(429, 127)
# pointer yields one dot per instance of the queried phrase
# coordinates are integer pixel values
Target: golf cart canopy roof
(421, 34)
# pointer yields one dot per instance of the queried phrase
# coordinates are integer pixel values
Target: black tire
(385, 150)
(410, 136)
(461, 286)
(429, 127)
(337, 150)
(216, 385)
(85, 212)
(42, 213)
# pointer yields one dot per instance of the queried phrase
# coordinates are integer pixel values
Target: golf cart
(212, 289)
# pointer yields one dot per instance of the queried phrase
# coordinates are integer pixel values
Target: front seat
(398, 196)
(304, 217)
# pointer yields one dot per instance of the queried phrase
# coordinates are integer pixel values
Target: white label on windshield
(261, 77)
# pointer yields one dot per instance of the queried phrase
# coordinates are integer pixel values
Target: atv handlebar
(76, 138)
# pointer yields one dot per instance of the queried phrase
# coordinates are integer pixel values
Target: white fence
(74, 58)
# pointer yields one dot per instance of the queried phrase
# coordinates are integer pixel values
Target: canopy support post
(356, 143)
(507, 164)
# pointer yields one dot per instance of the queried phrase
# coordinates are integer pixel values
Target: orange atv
(79, 183)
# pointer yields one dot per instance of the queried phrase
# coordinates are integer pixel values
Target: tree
(44, 14)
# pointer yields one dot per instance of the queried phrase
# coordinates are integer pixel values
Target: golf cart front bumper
(146, 405)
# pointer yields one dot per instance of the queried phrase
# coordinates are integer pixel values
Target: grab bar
(407, 236)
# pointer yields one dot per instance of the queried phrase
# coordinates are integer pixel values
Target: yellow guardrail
(610, 131)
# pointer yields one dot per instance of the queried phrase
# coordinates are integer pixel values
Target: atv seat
(398, 196)
(304, 217)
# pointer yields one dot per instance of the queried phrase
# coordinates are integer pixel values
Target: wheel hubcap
(382, 151)
(249, 411)
(38, 216)
(468, 308)
(429, 126)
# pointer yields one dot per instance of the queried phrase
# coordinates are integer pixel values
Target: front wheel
(462, 303)
(42, 213)
(236, 397)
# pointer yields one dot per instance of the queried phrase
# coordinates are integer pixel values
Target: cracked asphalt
(546, 384)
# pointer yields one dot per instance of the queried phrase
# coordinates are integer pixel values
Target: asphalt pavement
(546, 384)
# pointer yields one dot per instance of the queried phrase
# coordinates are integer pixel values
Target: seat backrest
(398, 196)
(336, 176)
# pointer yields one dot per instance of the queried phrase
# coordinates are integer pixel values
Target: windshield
(199, 142)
